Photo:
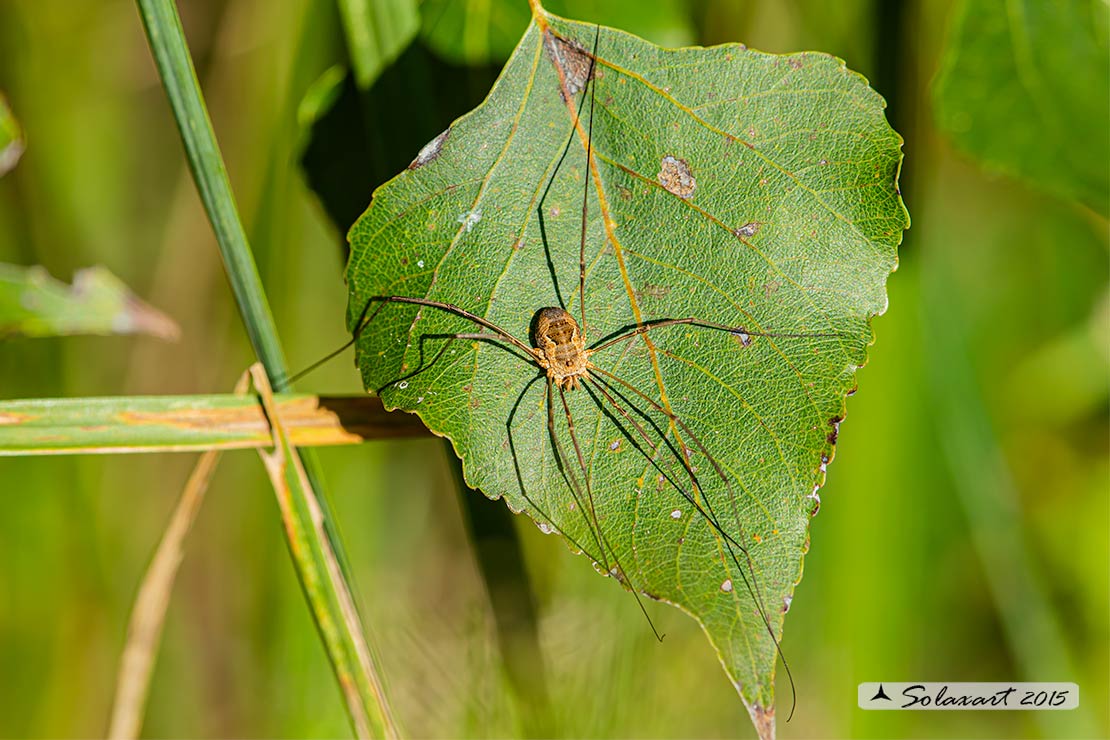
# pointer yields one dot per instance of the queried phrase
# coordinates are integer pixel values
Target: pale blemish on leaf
(676, 177)
(748, 229)
(468, 220)
(430, 150)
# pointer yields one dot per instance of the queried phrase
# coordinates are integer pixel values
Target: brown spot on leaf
(749, 229)
(676, 177)
(571, 61)
(815, 497)
(651, 290)
(763, 719)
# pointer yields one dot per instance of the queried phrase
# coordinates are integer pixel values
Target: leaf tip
(764, 720)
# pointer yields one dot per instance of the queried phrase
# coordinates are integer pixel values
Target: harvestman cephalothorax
(558, 348)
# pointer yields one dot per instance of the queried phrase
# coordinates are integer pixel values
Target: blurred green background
(964, 530)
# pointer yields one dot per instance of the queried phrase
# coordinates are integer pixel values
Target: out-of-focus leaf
(376, 31)
(742, 188)
(473, 32)
(1074, 365)
(359, 139)
(488, 31)
(11, 138)
(1024, 87)
(36, 305)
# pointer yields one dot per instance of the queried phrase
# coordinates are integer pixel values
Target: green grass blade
(190, 423)
(167, 44)
(326, 589)
(148, 614)
(1033, 627)
(171, 55)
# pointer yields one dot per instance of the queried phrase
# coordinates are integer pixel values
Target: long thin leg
(450, 308)
(487, 337)
(605, 395)
(590, 512)
(581, 458)
(364, 321)
(739, 331)
(609, 394)
(568, 476)
(322, 361)
(586, 188)
(423, 367)
(547, 188)
(710, 515)
(520, 475)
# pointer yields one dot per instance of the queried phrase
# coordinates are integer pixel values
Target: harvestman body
(560, 347)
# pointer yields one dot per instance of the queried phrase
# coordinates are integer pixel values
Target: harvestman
(559, 349)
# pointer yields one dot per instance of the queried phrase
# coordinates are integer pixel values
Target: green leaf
(36, 305)
(11, 138)
(734, 186)
(1024, 87)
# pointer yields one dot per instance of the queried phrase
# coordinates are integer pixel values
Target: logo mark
(880, 694)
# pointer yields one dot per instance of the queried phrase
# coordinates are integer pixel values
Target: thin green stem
(179, 78)
(171, 55)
